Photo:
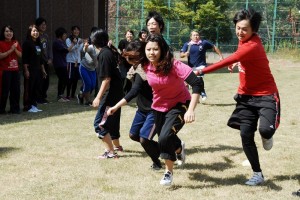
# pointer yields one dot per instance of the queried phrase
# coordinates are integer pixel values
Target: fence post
(117, 23)
(274, 27)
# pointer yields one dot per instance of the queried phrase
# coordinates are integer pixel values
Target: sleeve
(105, 63)
(135, 89)
(208, 44)
(223, 63)
(196, 83)
(182, 70)
(184, 47)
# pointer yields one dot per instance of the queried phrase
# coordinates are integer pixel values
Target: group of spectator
(36, 55)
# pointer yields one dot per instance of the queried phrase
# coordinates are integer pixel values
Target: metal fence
(279, 29)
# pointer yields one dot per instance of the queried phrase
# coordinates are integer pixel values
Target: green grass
(52, 154)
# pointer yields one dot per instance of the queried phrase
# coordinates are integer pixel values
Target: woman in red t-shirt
(10, 51)
(257, 96)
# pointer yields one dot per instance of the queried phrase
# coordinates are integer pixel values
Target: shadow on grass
(6, 150)
(130, 153)
(199, 149)
(212, 182)
(219, 104)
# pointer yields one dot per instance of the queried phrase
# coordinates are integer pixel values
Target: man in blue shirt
(195, 51)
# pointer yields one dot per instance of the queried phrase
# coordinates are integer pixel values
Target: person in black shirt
(110, 92)
(142, 129)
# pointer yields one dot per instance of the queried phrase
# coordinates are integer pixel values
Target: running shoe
(108, 155)
(256, 179)
(79, 99)
(119, 148)
(167, 179)
(156, 167)
(267, 143)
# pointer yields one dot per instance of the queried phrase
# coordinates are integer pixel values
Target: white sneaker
(32, 110)
(267, 143)
(181, 156)
(256, 179)
(167, 179)
(36, 109)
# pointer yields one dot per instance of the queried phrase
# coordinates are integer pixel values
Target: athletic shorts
(104, 124)
(143, 125)
(250, 109)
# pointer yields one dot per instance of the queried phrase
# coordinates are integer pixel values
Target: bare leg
(108, 143)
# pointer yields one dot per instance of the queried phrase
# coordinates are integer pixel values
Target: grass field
(52, 154)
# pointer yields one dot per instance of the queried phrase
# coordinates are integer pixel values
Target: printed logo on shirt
(13, 64)
(200, 47)
(38, 50)
(240, 68)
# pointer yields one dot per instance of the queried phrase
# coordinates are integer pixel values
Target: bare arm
(104, 86)
(113, 109)
(217, 50)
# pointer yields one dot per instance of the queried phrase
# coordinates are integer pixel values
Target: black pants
(10, 88)
(168, 124)
(32, 88)
(45, 84)
(62, 76)
(250, 109)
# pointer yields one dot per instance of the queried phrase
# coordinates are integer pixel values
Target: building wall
(66, 13)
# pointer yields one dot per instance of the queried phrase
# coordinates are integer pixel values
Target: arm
(223, 63)
(113, 109)
(70, 44)
(7, 53)
(197, 86)
(104, 86)
(134, 91)
(217, 50)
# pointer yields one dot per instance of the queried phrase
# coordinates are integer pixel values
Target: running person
(257, 96)
(173, 104)
(110, 93)
(195, 51)
(142, 129)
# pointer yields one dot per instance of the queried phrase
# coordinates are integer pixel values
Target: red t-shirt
(10, 62)
(255, 75)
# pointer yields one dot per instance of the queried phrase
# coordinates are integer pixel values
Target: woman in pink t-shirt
(172, 103)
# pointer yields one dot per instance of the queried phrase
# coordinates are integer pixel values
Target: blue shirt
(197, 55)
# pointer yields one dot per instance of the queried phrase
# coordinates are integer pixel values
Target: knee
(266, 132)
(134, 137)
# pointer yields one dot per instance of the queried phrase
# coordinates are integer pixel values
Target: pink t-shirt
(169, 90)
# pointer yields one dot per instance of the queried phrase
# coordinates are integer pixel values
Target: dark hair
(135, 52)
(59, 32)
(166, 57)
(94, 28)
(251, 15)
(157, 17)
(130, 31)
(71, 36)
(28, 34)
(99, 38)
(39, 21)
(2, 37)
(142, 32)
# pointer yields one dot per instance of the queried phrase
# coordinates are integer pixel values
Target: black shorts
(250, 109)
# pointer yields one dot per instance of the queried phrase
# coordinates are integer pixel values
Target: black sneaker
(155, 166)
(296, 193)
(79, 99)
